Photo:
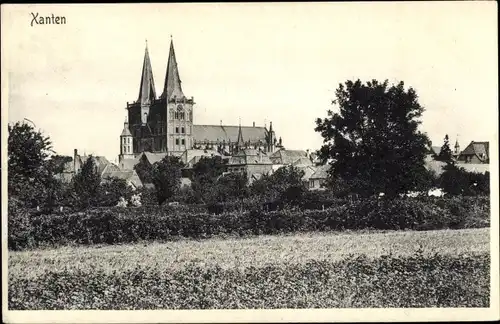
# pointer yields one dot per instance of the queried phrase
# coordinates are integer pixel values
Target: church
(165, 125)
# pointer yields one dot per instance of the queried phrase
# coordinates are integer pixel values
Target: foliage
(166, 177)
(230, 187)
(285, 184)
(144, 171)
(116, 225)
(111, 190)
(416, 280)
(205, 174)
(86, 184)
(373, 141)
(27, 151)
(445, 154)
(30, 173)
(457, 181)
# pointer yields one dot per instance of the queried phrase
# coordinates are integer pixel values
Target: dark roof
(480, 149)
(249, 156)
(153, 157)
(321, 172)
(219, 133)
(127, 175)
(287, 156)
(436, 150)
(128, 164)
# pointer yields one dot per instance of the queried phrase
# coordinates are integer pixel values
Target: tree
(86, 184)
(284, 184)
(228, 187)
(457, 181)
(30, 172)
(373, 142)
(111, 190)
(144, 170)
(27, 151)
(166, 177)
(445, 154)
(204, 176)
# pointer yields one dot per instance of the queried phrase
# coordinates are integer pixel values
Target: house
(319, 177)
(103, 167)
(130, 177)
(193, 156)
(287, 157)
(254, 162)
(475, 153)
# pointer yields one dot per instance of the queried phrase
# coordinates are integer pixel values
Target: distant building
(475, 153)
(318, 179)
(253, 161)
(165, 124)
(103, 167)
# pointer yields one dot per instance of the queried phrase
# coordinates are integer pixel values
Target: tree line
(372, 143)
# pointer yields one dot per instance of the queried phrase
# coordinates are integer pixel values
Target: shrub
(120, 225)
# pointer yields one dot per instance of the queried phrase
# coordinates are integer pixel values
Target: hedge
(124, 225)
(414, 281)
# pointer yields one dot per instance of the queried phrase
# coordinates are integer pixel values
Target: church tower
(179, 109)
(126, 139)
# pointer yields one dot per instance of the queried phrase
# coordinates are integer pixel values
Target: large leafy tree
(166, 177)
(373, 141)
(29, 172)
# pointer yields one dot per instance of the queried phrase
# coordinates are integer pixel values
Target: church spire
(172, 86)
(240, 141)
(147, 92)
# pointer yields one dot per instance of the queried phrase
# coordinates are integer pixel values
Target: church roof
(214, 133)
(172, 86)
(147, 92)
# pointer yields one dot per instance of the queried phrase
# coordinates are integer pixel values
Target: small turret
(126, 143)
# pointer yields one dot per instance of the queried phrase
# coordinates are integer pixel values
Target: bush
(456, 181)
(121, 225)
(354, 282)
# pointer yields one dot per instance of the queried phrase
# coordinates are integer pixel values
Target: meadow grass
(258, 251)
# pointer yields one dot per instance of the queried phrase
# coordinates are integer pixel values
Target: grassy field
(254, 251)
(303, 270)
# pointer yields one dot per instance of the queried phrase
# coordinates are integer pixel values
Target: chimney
(75, 153)
(253, 124)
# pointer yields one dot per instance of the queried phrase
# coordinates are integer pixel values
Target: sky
(249, 62)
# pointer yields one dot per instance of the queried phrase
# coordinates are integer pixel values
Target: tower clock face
(179, 108)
